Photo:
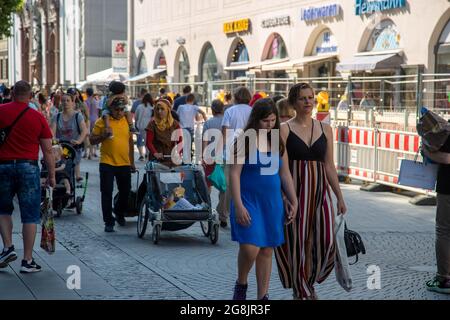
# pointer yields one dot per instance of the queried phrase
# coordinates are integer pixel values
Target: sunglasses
(119, 108)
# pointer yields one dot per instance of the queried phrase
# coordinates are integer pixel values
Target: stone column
(131, 70)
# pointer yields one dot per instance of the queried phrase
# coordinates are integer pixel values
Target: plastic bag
(341, 267)
(218, 179)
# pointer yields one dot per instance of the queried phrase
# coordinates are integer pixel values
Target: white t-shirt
(187, 113)
(236, 117)
(143, 115)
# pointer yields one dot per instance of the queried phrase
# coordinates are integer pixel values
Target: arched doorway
(209, 70)
(441, 89)
(274, 50)
(238, 59)
(142, 64)
(160, 60)
(443, 51)
(182, 66)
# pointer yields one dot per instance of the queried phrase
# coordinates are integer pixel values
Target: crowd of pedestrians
(291, 216)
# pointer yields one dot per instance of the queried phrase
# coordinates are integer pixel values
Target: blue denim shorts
(23, 180)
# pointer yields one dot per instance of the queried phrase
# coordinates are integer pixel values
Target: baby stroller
(62, 200)
(194, 205)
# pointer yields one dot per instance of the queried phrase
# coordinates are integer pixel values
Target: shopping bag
(48, 236)
(418, 175)
(341, 266)
(218, 179)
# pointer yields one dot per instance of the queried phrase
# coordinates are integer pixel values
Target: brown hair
(294, 93)
(242, 96)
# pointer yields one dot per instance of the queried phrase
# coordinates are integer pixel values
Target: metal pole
(375, 157)
(419, 91)
(350, 101)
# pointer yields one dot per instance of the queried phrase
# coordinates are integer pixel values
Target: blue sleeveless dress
(261, 196)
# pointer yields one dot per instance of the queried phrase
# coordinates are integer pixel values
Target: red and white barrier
(408, 142)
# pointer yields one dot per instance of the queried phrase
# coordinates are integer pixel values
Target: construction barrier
(375, 155)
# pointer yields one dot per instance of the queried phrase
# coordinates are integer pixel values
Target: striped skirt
(308, 254)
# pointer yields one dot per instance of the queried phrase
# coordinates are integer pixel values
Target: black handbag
(353, 244)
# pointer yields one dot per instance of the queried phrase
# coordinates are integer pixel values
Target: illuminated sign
(367, 7)
(316, 13)
(236, 26)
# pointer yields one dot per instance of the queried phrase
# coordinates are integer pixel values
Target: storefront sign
(326, 43)
(316, 13)
(236, 26)
(119, 56)
(156, 42)
(368, 7)
(275, 22)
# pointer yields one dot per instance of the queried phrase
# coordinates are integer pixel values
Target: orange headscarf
(166, 123)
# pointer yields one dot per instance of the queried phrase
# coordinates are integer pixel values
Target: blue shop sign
(367, 7)
(315, 13)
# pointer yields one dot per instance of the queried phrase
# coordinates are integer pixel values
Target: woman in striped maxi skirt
(307, 257)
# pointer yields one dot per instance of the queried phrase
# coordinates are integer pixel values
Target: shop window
(277, 49)
(384, 37)
(209, 65)
(240, 53)
(183, 67)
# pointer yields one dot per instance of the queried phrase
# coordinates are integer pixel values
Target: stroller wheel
(79, 205)
(156, 233)
(206, 227)
(142, 219)
(214, 235)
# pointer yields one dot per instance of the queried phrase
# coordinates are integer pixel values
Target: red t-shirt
(24, 139)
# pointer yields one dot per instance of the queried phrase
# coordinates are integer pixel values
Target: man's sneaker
(223, 224)
(438, 286)
(7, 256)
(240, 291)
(31, 267)
(109, 229)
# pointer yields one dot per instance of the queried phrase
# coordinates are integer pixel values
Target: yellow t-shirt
(115, 151)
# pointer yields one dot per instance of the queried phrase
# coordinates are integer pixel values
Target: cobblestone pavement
(399, 239)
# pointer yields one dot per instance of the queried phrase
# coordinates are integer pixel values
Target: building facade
(61, 42)
(4, 62)
(200, 40)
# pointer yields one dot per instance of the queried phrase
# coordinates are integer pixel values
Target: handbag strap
(18, 118)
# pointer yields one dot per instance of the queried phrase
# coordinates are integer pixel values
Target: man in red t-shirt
(20, 174)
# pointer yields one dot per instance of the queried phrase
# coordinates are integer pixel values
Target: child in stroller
(64, 194)
(60, 169)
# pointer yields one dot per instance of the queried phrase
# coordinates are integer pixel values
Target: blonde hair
(285, 109)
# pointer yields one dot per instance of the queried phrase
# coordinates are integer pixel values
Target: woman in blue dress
(258, 176)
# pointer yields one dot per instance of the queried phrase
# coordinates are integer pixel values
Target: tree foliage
(7, 8)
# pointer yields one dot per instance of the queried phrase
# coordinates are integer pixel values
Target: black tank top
(298, 150)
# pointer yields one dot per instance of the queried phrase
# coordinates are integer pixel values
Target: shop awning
(146, 75)
(371, 62)
(297, 63)
(260, 65)
(105, 76)
(239, 67)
